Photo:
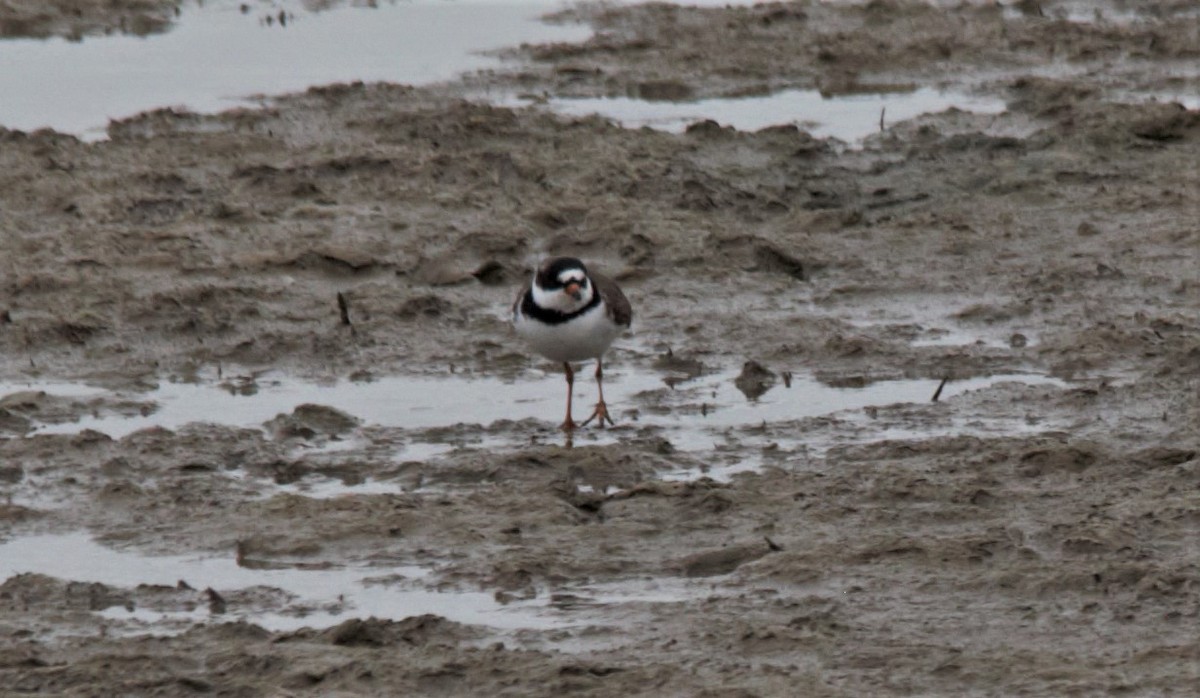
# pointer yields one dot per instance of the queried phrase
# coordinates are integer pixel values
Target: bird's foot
(568, 425)
(600, 415)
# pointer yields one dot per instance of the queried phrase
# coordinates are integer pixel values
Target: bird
(569, 314)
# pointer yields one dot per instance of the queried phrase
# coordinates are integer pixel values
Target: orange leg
(568, 424)
(601, 413)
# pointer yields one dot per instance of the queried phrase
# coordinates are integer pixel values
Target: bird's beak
(572, 290)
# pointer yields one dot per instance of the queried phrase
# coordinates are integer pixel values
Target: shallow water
(706, 415)
(339, 592)
(216, 57)
(686, 410)
(403, 418)
(321, 597)
(849, 118)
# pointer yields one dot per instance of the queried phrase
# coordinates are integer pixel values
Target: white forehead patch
(570, 275)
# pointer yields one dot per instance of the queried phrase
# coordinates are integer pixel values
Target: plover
(569, 314)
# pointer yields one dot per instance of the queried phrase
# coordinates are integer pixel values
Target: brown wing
(618, 305)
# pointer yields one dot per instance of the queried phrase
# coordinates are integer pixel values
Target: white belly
(585, 337)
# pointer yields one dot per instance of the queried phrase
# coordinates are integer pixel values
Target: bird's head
(562, 284)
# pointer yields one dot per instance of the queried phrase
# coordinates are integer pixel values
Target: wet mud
(1032, 533)
(76, 19)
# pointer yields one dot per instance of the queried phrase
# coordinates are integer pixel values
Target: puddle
(796, 445)
(707, 415)
(1118, 13)
(807, 397)
(723, 466)
(404, 418)
(77, 557)
(216, 57)
(848, 118)
(317, 486)
(1188, 100)
(320, 598)
(408, 402)
(709, 402)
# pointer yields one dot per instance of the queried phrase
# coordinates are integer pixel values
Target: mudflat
(1036, 535)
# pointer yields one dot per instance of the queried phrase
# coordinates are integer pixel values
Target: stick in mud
(343, 308)
(938, 393)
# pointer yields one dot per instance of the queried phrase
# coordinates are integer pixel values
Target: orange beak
(572, 290)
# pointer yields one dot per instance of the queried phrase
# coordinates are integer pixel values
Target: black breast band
(554, 317)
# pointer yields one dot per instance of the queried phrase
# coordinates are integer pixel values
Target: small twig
(881, 113)
(343, 308)
(938, 393)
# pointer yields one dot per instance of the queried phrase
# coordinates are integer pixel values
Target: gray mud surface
(1058, 238)
(76, 19)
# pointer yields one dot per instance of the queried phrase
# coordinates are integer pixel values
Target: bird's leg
(568, 423)
(601, 413)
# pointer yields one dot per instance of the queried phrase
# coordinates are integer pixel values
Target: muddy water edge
(1058, 558)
